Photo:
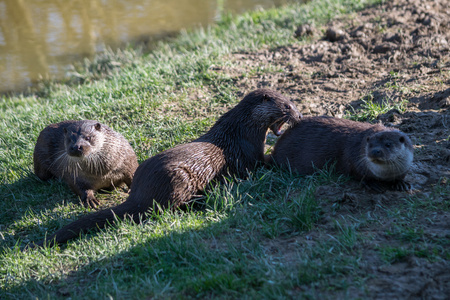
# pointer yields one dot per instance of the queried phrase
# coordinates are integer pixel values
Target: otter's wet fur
(377, 155)
(232, 147)
(87, 155)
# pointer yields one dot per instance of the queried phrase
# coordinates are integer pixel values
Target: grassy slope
(226, 247)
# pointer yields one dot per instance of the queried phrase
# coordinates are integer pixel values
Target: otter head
(273, 110)
(389, 154)
(81, 141)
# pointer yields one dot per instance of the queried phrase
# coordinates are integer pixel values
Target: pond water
(42, 38)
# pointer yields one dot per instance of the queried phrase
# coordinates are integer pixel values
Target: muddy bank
(396, 54)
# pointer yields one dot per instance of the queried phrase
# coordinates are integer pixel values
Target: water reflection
(42, 37)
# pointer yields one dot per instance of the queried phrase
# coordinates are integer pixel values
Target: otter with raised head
(232, 147)
(377, 155)
(87, 155)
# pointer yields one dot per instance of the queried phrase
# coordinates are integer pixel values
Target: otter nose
(76, 148)
(376, 153)
(295, 114)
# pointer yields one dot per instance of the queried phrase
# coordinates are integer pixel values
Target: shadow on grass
(197, 253)
(28, 203)
(218, 246)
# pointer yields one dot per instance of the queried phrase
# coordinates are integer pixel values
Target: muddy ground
(394, 53)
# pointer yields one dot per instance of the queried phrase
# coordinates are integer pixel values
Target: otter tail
(98, 219)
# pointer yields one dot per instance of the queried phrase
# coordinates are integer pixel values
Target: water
(42, 38)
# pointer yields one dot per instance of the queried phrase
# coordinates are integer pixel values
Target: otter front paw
(382, 186)
(89, 200)
(401, 185)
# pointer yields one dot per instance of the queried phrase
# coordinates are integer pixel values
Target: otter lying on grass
(378, 156)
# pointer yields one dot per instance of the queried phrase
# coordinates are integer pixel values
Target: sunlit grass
(369, 109)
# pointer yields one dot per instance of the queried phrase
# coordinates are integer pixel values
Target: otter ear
(402, 139)
(65, 130)
(98, 126)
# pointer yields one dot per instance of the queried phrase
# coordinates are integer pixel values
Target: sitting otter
(232, 147)
(378, 156)
(87, 155)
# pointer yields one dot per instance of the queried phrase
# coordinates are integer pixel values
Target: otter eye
(87, 138)
(287, 106)
(402, 139)
(387, 145)
(368, 138)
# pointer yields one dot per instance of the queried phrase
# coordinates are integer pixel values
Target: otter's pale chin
(377, 161)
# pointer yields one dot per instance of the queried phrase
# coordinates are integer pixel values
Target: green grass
(203, 252)
(388, 97)
(369, 109)
(244, 239)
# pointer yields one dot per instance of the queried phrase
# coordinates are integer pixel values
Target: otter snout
(291, 116)
(294, 114)
(376, 153)
(78, 149)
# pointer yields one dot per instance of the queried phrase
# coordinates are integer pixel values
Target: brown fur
(232, 147)
(373, 154)
(87, 155)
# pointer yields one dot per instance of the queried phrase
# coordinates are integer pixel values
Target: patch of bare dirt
(393, 52)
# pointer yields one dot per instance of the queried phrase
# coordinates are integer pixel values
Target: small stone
(426, 21)
(334, 34)
(359, 34)
(384, 47)
(392, 37)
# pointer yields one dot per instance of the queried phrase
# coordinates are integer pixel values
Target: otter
(232, 147)
(376, 155)
(87, 155)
